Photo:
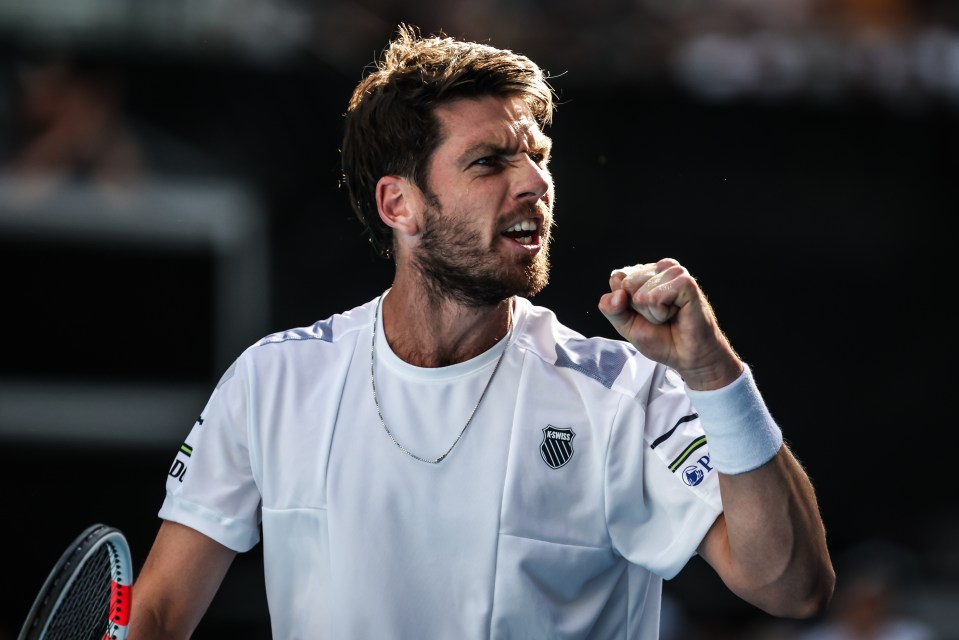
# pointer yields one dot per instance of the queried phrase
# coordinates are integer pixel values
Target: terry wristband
(740, 431)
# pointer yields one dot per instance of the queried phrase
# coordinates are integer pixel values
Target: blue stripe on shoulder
(322, 330)
(600, 359)
(227, 375)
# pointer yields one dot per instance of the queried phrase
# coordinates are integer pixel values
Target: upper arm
(714, 547)
(181, 575)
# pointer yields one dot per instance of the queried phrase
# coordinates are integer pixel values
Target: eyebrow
(540, 143)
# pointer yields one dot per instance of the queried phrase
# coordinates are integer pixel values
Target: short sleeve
(662, 491)
(210, 485)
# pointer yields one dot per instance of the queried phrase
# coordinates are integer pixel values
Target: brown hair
(391, 128)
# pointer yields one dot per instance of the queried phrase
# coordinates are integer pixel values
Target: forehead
(496, 121)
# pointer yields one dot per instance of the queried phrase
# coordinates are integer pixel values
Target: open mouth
(525, 232)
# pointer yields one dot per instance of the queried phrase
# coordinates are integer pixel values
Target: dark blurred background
(169, 194)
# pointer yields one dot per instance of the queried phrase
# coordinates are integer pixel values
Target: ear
(399, 204)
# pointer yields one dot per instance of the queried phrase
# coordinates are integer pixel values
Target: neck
(427, 331)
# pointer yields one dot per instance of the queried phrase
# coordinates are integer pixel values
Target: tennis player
(448, 460)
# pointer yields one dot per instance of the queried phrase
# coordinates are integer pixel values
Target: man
(447, 460)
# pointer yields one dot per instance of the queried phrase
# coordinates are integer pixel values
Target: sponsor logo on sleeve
(694, 474)
(178, 470)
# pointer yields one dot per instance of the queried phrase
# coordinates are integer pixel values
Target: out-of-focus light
(262, 30)
(937, 61)
(902, 69)
(717, 66)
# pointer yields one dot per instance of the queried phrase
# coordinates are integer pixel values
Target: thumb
(615, 306)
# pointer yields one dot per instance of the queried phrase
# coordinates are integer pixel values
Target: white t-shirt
(583, 479)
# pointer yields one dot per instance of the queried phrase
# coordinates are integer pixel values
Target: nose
(532, 180)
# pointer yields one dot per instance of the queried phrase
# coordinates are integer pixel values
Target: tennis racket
(86, 596)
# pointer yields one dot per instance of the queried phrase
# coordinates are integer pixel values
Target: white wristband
(740, 431)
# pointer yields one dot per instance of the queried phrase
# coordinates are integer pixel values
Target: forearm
(178, 581)
(147, 624)
(155, 617)
(772, 551)
(775, 554)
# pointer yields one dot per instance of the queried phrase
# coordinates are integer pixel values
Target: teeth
(525, 240)
(525, 225)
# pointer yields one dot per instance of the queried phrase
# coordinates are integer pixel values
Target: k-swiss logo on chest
(557, 446)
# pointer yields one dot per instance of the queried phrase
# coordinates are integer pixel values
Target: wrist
(740, 432)
(722, 370)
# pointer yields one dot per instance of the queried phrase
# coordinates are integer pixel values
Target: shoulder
(614, 364)
(318, 345)
(341, 326)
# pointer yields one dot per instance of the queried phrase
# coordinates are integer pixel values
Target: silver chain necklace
(379, 412)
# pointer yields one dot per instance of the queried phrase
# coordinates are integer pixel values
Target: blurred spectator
(869, 604)
(72, 128)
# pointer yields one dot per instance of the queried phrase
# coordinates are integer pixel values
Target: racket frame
(72, 560)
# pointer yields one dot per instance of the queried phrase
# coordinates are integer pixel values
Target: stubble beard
(455, 269)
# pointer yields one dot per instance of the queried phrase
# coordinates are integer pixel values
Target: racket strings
(86, 609)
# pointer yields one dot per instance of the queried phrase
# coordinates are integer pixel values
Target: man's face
(488, 217)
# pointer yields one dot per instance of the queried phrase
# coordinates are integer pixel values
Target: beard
(456, 269)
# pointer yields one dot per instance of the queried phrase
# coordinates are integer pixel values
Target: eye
(538, 158)
(488, 161)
